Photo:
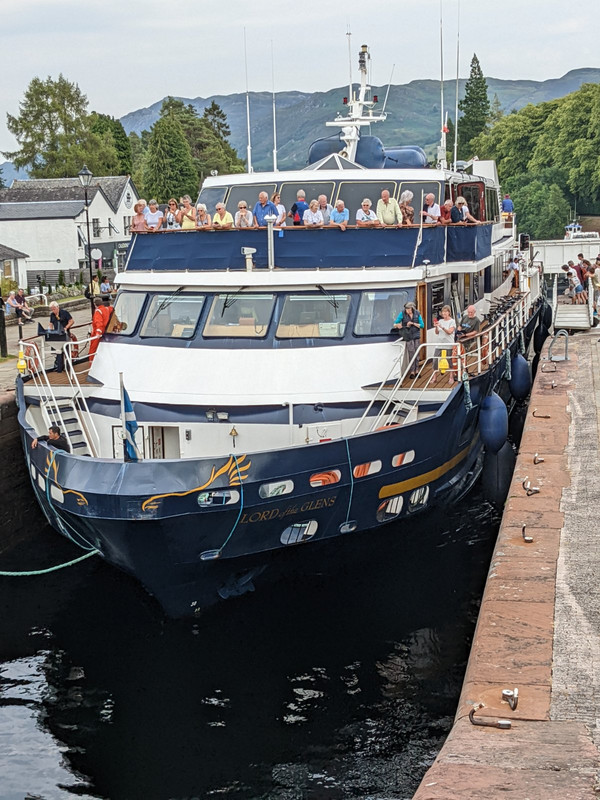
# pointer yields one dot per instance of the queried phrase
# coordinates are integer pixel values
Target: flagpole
(122, 396)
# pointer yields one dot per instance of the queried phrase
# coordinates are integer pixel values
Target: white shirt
(366, 216)
(435, 210)
(443, 337)
(312, 217)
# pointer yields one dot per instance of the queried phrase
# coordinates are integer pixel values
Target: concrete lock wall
(19, 512)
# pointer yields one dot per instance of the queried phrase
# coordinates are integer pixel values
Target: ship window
(368, 468)
(325, 478)
(248, 193)
(418, 498)
(211, 196)
(299, 532)
(403, 458)
(237, 314)
(126, 314)
(354, 192)
(288, 192)
(309, 316)
(275, 489)
(378, 311)
(389, 509)
(419, 190)
(172, 316)
(221, 497)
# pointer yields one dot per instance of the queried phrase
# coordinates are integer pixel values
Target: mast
(441, 156)
(274, 114)
(360, 110)
(249, 146)
(456, 104)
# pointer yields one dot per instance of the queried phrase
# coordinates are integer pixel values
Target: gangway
(569, 316)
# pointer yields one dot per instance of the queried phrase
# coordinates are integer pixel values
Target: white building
(13, 262)
(46, 218)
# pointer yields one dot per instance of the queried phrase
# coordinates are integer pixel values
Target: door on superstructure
(474, 194)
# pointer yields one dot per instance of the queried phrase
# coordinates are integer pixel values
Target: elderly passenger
(365, 216)
(187, 214)
(407, 211)
(222, 218)
(243, 216)
(388, 210)
(202, 216)
(313, 218)
(263, 208)
(340, 216)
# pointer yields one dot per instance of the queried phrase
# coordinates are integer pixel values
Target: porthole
(389, 509)
(32, 468)
(299, 532)
(418, 498)
(403, 458)
(325, 478)
(223, 497)
(275, 489)
(369, 468)
(56, 494)
(41, 482)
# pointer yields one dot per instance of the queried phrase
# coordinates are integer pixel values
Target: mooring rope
(351, 481)
(26, 573)
(239, 516)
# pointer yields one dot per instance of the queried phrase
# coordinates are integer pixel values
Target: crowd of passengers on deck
(317, 213)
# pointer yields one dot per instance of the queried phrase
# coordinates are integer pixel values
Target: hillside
(413, 113)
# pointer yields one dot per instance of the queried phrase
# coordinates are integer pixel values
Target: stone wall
(20, 514)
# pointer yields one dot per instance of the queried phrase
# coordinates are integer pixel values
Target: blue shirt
(507, 205)
(339, 216)
(260, 212)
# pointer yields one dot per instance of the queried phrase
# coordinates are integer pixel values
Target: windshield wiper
(167, 301)
(230, 299)
(330, 298)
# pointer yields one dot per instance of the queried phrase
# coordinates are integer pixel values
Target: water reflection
(338, 679)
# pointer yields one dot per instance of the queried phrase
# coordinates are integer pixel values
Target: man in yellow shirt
(388, 210)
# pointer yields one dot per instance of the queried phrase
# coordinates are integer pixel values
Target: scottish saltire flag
(130, 427)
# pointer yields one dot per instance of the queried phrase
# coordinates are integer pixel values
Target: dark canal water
(338, 681)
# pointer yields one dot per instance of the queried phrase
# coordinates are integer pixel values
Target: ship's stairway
(572, 317)
(64, 413)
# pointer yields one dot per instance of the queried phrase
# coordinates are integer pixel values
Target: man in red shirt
(100, 320)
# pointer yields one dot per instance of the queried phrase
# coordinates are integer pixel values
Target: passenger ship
(272, 398)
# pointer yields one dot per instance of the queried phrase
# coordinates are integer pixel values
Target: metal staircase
(64, 413)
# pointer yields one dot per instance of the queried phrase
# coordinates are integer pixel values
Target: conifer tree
(475, 107)
(217, 119)
(101, 124)
(169, 168)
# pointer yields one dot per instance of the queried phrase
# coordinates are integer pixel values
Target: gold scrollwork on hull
(51, 463)
(235, 469)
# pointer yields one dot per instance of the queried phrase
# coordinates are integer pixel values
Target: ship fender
(520, 379)
(497, 474)
(546, 315)
(539, 337)
(493, 422)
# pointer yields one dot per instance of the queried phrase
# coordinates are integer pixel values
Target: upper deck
(304, 248)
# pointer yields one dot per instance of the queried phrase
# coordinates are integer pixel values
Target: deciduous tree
(53, 130)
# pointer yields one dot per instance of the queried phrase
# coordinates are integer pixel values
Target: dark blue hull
(197, 531)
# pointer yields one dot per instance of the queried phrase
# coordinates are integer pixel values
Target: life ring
(31, 354)
(74, 346)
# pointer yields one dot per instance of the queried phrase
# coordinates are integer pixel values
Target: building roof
(65, 209)
(45, 189)
(9, 252)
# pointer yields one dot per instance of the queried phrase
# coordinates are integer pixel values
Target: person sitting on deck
(54, 439)
(407, 211)
(222, 218)
(365, 216)
(340, 216)
(431, 212)
(263, 208)
(388, 210)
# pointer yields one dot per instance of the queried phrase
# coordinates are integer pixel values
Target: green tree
(139, 148)
(542, 209)
(217, 119)
(53, 130)
(496, 112)
(101, 124)
(475, 107)
(169, 169)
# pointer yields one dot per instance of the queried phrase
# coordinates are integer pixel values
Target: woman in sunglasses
(243, 217)
(171, 221)
(202, 216)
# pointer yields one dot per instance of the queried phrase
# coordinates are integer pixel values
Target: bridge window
(248, 193)
(211, 196)
(420, 189)
(172, 316)
(309, 316)
(312, 189)
(243, 315)
(354, 192)
(378, 310)
(126, 314)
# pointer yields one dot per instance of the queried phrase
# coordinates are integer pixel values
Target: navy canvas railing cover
(298, 248)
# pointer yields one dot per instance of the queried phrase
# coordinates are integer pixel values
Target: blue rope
(239, 516)
(49, 569)
(351, 481)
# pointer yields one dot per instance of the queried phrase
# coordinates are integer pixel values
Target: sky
(127, 55)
